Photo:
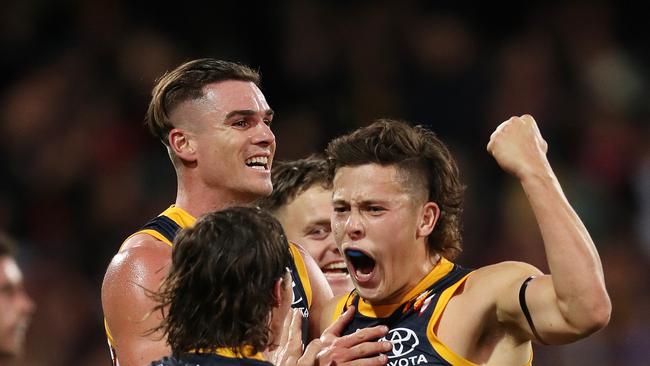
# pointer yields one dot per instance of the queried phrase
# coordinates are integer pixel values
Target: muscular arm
(127, 307)
(572, 302)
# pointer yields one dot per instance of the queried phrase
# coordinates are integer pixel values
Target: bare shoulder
(498, 276)
(494, 289)
(142, 263)
(135, 272)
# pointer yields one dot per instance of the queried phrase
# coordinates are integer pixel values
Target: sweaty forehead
(367, 181)
(220, 99)
(234, 95)
(374, 182)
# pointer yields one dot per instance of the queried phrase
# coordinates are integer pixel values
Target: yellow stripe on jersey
(302, 271)
(343, 302)
(246, 352)
(108, 335)
(181, 217)
(444, 351)
(441, 348)
(382, 311)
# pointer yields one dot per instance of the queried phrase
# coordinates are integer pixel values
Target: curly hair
(291, 178)
(219, 292)
(186, 82)
(423, 159)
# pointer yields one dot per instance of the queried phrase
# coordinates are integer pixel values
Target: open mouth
(362, 264)
(335, 268)
(258, 162)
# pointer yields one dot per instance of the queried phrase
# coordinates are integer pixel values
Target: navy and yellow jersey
(411, 322)
(220, 357)
(164, 228)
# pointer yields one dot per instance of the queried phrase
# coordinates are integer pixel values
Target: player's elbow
(602, 313)
(595, 316)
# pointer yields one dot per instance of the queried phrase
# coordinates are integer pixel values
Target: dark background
(80, 172)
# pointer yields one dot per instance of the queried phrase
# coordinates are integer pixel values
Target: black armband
(524, 308)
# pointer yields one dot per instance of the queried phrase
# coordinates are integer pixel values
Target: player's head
(302, 201)
(215, 121)
(397, 201)
(229, 284)
(16, 307)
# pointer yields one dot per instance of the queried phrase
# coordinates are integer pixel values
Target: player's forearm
(572, 256)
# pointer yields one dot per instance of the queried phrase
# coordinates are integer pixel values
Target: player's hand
(289, 349)
(518, 147)
(356, 349)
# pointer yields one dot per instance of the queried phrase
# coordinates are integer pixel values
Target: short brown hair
(291, 178)
(219, 291)
(417, 152)
(186, 82)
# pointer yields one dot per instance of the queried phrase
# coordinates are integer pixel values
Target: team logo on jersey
(425, 304)
(404, 341)
(297, 298)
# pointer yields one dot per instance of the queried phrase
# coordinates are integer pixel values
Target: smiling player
(302, 202)
(216, 126)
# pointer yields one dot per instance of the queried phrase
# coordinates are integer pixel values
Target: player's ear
(277, 292)
(428, 219)
(182, 144)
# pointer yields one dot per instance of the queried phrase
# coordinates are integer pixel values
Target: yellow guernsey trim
(245, 352)
(156, 235)
(341, 303)
(181, 217)
(302, 271)
(108, 334)
(444, 351)
(381, 311)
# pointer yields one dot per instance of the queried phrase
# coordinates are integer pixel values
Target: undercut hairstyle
(292, 178)
(186, 82)
(421, 159)
(219, 292)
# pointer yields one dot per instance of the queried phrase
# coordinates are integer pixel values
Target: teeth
(258, 160)
(336, 265)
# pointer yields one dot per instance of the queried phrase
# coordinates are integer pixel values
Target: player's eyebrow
(248, 112)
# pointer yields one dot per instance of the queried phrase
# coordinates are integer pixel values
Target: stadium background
(80, 172)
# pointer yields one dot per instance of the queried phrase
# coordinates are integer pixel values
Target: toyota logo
(404, 341)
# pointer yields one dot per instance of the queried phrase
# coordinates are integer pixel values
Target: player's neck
(199, 199)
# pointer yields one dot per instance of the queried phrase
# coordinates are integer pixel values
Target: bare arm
(127, 306)
(572, 302)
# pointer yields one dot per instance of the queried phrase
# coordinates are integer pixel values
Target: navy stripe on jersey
(165, 226)
(300, 302)
(408, 325)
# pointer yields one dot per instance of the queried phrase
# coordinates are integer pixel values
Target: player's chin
(372, 292)
(340, 286)
(260, 188)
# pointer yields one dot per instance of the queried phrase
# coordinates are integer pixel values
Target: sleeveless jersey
(221, 357)
(164, 228)
(411, 322)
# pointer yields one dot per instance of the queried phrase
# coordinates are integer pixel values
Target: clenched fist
(518, 147)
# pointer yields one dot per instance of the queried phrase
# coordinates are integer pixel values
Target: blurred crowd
(80, 172)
